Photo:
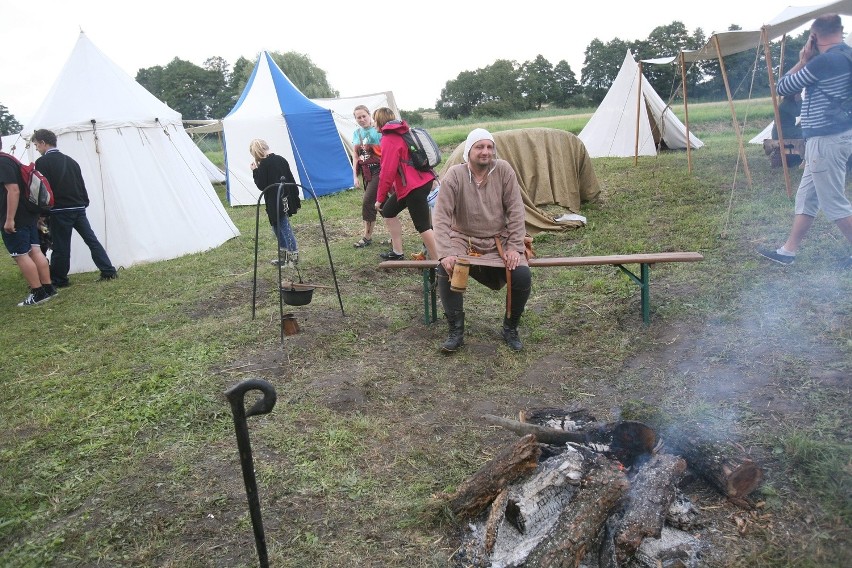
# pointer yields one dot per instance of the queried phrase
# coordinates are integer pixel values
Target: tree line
(211, 90)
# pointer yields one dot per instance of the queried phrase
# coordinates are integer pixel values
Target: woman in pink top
(402, 186)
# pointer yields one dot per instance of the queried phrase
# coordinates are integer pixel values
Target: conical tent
(150, 198)
(615, 128)
(301, 131)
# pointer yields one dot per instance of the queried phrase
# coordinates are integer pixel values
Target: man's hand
(512, 258)
(809, 51)
(449, 262)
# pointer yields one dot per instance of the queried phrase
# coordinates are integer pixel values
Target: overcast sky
(410, 48)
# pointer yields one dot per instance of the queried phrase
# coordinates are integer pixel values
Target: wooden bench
(430, 303)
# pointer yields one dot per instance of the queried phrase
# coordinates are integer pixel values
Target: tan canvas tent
(553, 168)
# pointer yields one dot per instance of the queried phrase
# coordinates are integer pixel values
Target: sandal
(363, 242)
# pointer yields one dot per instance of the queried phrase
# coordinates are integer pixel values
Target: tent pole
(638, 115)
(764, 38)
(685, 112)
(733, 112)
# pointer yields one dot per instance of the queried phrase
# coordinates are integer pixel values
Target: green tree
(536, 81)
(460, 96)
(302, 72)
(501, 89)
(663, 41)
(224, 95)
(564, 89)
(184, 86)
(600, 67)
(8, 123)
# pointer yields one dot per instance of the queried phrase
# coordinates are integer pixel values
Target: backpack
(425, 153)
(38, 196)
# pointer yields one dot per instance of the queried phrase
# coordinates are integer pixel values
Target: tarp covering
(150, 197)
(553, 168)
(730, 42)
(304, 133)
(612, 130)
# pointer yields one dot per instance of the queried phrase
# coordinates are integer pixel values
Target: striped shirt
(827, 80)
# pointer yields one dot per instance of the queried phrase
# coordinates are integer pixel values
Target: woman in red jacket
(401, 186)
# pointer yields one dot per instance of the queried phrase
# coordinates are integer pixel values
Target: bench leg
(433, 276)
(430, 293)
(643, 281)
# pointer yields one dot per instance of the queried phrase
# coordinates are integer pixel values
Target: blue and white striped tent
(304, 133)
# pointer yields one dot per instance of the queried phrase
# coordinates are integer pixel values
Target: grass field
(117, 445)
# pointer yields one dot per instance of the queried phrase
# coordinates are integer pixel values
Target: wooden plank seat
(644, 260)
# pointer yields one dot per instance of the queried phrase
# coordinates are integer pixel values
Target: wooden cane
(508, 277)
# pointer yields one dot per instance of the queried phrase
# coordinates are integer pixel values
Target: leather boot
(455, 339)
(510, 332)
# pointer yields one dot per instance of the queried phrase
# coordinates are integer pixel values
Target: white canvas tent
(150, 198)
(301, 131)
(15, 145)
(342, 109)
(214, 174)
(632, 119)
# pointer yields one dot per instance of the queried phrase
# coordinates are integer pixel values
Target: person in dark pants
(69, 210)
(480, 213)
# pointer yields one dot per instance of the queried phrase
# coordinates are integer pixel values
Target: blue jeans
(61, 225)
(286, 237)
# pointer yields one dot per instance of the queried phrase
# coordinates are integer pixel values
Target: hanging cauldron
(298, 293)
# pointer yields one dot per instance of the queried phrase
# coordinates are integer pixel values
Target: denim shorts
(22, 240)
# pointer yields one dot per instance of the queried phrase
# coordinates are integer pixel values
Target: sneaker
(51, 290)
(108, 276)
(293, 258)
(391, 255)
(775, 256)
(63, 284)
(35, 298)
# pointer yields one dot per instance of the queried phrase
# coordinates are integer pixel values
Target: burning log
(653, 490)
(625, 440)
(724, 464)
(603, 490)
(471, 498)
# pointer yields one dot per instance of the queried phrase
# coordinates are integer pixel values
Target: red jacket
(394, 157)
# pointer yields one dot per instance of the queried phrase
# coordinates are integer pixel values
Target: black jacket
(66, 180)
(268, 172)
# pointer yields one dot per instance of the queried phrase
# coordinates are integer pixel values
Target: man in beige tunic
(479, 214)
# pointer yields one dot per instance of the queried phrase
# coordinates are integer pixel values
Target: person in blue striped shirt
(824, 72)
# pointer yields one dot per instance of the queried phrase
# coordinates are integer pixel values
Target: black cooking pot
(297, 295)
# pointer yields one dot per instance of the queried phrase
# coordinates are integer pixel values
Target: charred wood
(652, 492)
(478, 491)
(602, 492)
(722, 462)
(625, 441)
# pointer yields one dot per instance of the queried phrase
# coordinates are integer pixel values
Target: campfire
(572, 491)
